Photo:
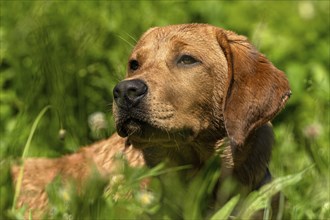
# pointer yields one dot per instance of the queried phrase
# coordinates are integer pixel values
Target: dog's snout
(128, 93)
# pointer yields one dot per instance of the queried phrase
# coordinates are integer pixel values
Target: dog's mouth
(130, 126)
(144, 134)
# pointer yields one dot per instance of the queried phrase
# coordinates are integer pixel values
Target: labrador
(189, 89)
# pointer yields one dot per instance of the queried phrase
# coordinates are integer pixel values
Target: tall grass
(24, 156)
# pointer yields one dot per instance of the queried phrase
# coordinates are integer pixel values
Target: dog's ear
(256, 90)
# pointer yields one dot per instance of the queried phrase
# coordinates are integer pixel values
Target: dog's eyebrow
(178, 41)
(181, 43)
(182, 46)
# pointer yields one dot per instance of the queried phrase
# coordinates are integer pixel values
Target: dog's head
(196, 82)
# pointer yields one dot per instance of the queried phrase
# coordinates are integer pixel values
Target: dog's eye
(134, 65)
(187, 60)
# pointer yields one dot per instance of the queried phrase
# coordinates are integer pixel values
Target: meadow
(61, 59)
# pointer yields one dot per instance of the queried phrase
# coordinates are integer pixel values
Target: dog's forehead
(189, 31)
(189, 34)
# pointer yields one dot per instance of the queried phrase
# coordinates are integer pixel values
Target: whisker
(150, 137)
(177, 144)
(125, 40)
(135, 40)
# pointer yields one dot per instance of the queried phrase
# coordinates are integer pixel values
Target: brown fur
(231, 93)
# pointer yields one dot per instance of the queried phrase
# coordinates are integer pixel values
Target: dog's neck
(248, 163)
(188, 154)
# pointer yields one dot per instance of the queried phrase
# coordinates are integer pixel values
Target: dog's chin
(143, 134)
(130, 127)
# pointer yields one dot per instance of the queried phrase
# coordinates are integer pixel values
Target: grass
(70, 56)
(121, 197)
(25, 152)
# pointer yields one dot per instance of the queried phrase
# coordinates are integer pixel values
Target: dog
(189, 89)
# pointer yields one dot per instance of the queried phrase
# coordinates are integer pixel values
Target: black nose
(128, 93)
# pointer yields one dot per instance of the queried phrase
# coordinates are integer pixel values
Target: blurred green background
(70, 55)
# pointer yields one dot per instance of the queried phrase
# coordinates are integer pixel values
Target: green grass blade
(25, 151)
(258, 200)
(225, 211)
(160, 169)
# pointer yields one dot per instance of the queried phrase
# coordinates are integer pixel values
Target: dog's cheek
(198, 110)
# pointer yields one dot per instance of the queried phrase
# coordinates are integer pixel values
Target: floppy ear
(256, 90)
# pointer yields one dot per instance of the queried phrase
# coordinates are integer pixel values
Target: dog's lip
(147, 133)
(122, 127)
(122, 132)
